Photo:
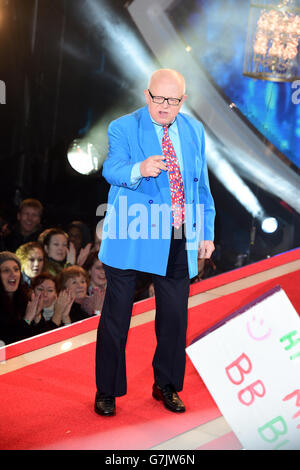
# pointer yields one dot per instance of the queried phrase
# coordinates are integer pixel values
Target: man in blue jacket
(159, 220)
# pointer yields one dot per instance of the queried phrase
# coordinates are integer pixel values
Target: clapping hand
(206, 249)
(71, 254)
(62, 307)
(34, 308)
(83, 254)
(93, 303)
(98, 298)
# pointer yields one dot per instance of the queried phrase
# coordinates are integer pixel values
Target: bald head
(168, 76)
(166, 83)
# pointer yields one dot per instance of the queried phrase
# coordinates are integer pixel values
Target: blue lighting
(216, 30)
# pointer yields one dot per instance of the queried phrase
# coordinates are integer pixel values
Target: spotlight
(83, 157)
(269, 225)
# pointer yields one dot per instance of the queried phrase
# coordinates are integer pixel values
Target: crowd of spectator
(50, 277)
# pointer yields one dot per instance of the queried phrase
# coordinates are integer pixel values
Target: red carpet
(61, 334)
(215, 310)
(49, 405)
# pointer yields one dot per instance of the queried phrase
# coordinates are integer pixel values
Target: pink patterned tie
(176, 183)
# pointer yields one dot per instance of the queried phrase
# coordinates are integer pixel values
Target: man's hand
(153, 165)
(206, 249)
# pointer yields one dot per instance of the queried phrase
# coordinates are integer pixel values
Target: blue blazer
(138, 222)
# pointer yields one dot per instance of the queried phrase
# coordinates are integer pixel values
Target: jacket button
(195, 179)
(150, 202)
(147, 179)
(194, 225)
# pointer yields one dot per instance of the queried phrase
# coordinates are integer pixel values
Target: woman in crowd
(54, 309)
(16, 309)
(59, 252)
(79, 234)
(97, 285)
(32, 259)
(45, 286)
(73, 281)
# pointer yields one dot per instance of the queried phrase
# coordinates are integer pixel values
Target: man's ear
(182, 101)
(184, 98)
(146, 93)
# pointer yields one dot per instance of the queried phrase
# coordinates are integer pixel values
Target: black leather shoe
(105, 405)
(169, 397)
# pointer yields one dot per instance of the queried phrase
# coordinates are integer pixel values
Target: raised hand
(71, 255)
(98, 299)
(62, 308)
(206, 249)
(34, 308)
(83, 254)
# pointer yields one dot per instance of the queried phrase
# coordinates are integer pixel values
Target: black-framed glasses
(162, 99)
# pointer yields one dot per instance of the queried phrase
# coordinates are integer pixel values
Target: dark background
(52, 96)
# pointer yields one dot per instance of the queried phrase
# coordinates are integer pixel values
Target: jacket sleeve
(118, 168)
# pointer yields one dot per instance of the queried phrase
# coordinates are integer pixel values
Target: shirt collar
(161, 125)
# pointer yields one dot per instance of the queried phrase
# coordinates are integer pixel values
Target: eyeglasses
(162, 99)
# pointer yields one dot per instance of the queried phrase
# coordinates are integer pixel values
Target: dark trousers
(171, 297)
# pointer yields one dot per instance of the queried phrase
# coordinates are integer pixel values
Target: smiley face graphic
(257, 329)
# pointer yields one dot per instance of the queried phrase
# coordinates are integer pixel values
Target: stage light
(83, 157)
(230, 179)
(66, 345)
(269, 225)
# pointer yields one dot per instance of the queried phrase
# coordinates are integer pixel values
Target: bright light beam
(122, 43)
(231, 180)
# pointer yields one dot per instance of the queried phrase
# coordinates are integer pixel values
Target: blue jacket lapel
(188, 149)
(147, 136)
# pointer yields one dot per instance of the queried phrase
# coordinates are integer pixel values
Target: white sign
(250, 364)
